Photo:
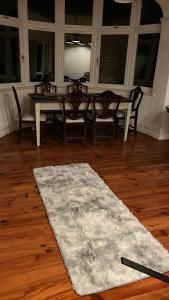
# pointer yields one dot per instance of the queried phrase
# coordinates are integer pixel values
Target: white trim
(149, 131)
(164, 136)
(9, 21)
(6, 130)
(153, 133)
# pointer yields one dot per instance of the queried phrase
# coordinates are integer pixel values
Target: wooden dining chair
(105, 107)
(77, 86)
(27, 118)
(45, 87)
(75, 108)
(136, 96)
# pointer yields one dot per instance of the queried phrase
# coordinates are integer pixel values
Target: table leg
(37, 116)
(127, 121)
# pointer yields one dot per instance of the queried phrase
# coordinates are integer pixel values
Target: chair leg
(116, 127)
(94, 134)
(113, 132)
(19, 132)
(85, 132)
(64, 134)
(44, 131)
(135, 124)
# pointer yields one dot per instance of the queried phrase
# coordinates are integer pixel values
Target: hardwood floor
(31, 266)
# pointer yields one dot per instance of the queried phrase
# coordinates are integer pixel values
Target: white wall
(153, 118)
(76, 61)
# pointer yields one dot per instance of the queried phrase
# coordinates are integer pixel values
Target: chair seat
(111, 119)
(121, 113)
(31, 118)
(90, 117)
(60, 118)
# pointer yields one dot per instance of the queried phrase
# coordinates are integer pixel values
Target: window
(9, 8)
(146, 59)
(113, 58)
(77, 57)
(41, 54)
(41, 10)
(78, 12)
(9, 54)
(103, 29)
(116, 14)
(151, 12)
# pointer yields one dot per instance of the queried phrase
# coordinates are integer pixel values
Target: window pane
(116, 14)
(41, 54)
(77, 57)
(151, 12)
(113, 58)
(9, 54)
(41, 10)
(147, 50)
(9, 8)
(78, 12)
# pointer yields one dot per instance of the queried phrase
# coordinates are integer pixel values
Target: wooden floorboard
(31, 266)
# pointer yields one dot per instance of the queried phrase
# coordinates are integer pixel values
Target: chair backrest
(77, 86)
(45, 87)
(105, 100)
(17, 103)
(75, 105)
(136, 96)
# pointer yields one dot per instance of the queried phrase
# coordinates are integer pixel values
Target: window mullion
(133, 41)
(96, 41)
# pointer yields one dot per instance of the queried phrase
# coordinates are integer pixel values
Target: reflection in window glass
(147, 50)
(78, 12)
(9, 54)
(41, 54)
(9, 8)
(113, 58)
(77, 57)
(151, 12)
(116, 14)
(41, 10)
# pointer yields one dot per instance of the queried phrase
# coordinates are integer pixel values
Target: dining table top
(52, 98)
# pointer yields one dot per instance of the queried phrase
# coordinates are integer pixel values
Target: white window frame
(95, 30)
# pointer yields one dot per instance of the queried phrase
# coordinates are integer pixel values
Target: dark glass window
(41, 10)
(116, 14)
(9, 54)
(77, 57)
(78, 12)
(9, 8)
(41, 54)
(151, 12)
(113, 58)
(147, 50)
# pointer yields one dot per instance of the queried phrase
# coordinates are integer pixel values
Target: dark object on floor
(143, 269)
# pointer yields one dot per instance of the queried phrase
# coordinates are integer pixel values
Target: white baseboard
(153, 133)
(5, 131)
(164, 136)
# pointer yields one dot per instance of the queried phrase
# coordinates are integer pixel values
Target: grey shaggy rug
(94, 229)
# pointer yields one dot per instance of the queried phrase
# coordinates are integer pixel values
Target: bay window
(106, 44)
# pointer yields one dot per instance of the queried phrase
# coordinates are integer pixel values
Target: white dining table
(54, 102)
